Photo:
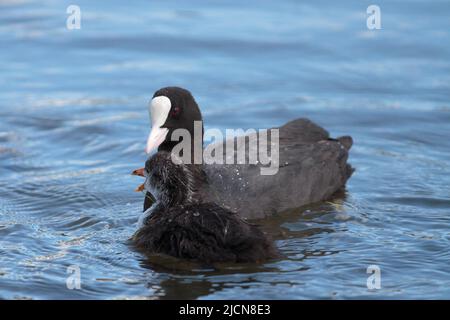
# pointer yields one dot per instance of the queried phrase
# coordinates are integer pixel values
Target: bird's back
(312, 167)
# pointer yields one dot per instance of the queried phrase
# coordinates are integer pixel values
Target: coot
(312, 166)
(183, 221)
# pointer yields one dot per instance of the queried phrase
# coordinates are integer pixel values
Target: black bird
(312, 166)
(184, 223)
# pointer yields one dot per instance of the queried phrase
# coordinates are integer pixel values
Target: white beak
(159, 111)
(155, 138)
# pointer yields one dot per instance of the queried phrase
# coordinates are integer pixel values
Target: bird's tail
(346, 141)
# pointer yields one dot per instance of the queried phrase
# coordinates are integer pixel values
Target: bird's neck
(168, 145)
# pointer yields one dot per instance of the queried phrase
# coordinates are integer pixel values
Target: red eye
(175, 111)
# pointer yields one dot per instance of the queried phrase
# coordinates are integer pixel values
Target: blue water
(73, 124)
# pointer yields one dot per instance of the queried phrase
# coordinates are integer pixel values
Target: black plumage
(312, 166)
(184, 223)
